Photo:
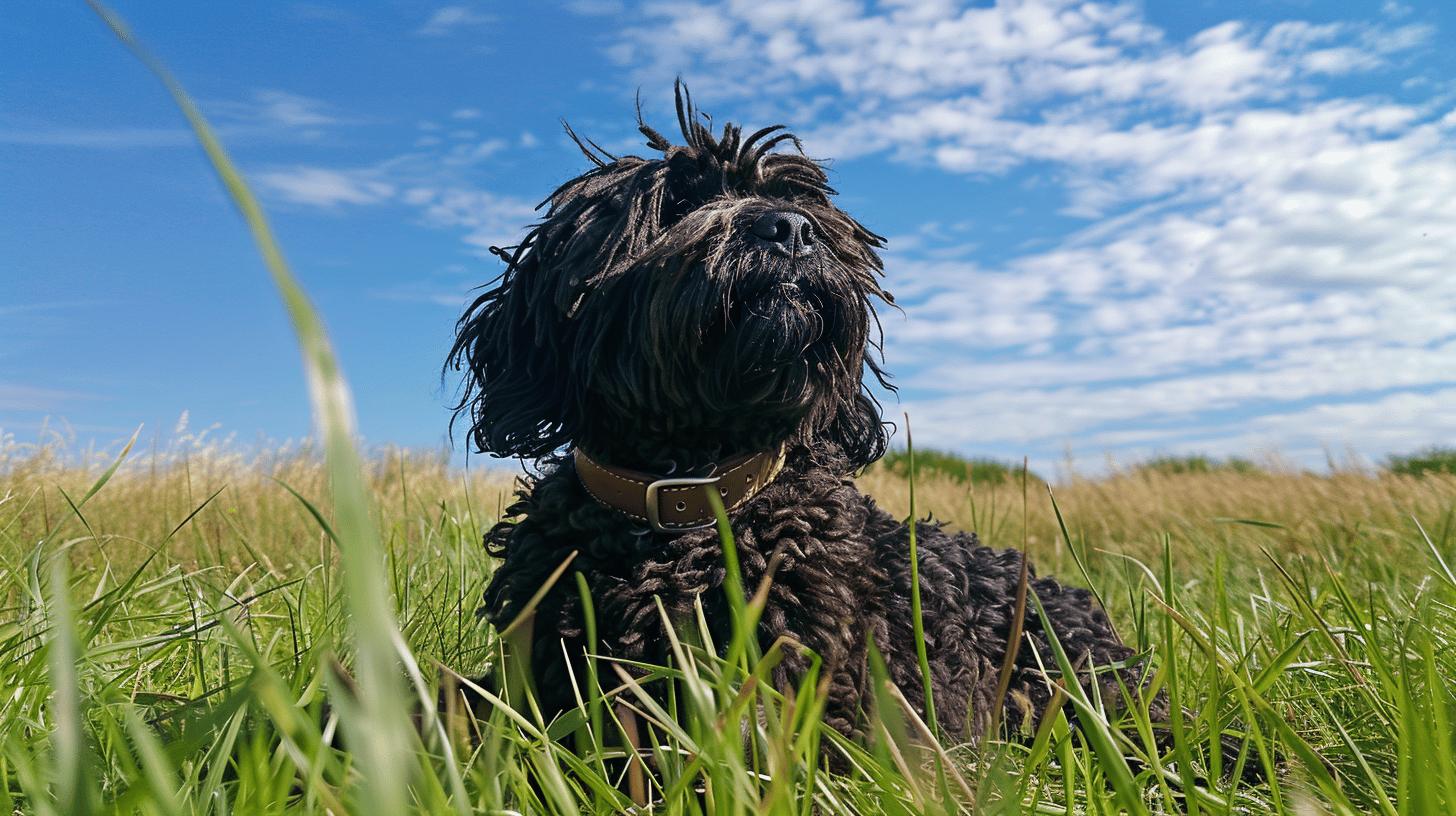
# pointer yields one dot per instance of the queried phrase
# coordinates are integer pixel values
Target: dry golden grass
(1227, 514)
(255, 518)
(1280, 572)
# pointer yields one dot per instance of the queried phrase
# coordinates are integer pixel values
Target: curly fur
(640, 321)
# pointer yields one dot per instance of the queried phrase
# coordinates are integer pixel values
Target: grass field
(188, 630)
(184, 665)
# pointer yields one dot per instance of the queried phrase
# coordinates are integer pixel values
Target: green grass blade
(110, 471)
(74, 781)
(917, 619)
(1092, 723)
(381, 732)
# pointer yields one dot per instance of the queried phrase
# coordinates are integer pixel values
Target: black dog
(701, 320)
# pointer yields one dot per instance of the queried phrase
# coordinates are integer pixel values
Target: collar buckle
(654, 510)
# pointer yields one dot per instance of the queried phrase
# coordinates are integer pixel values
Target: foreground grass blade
(75, 784)
(110, 471)
(1091, 721)
(917, 619)
(380, 730)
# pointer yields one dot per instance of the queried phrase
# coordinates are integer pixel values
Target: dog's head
(675, 310)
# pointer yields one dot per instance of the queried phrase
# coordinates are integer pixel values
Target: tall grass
(209, 617)
(194, 632)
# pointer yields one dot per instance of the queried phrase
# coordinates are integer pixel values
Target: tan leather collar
(672, 504)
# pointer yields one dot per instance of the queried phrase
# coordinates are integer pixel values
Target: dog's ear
(859, 431)
(509, 343)
(515, 342)
(855, 424)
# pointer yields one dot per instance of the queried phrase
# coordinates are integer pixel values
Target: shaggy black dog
(701, 315)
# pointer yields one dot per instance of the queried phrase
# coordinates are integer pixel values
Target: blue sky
(1115, 228)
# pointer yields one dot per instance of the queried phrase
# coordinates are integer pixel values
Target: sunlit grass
(208, 616)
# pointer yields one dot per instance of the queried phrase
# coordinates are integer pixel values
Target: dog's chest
(803, 542)
(806, 548)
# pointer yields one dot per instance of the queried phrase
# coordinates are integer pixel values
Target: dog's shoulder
(816, 487)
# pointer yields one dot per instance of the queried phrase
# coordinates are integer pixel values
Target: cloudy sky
(1115, 227)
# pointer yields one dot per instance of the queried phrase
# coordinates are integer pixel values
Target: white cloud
(450, 19)
(487, 219)
(1256, 239)
(1391, 8)
(322, 187)
(435, 182)
(274, 112)
(1398, 423)
(292, 110)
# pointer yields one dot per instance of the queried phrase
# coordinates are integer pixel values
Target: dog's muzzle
(677, 504)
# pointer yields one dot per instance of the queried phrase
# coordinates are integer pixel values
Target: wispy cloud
(483, 218)
(596, 8)
(451, 19)
(1253, 238)
(436, 181)
(19, 397)
(452, 286)
(278, 109)
(115, 138)
(324, 187)
(266, 115)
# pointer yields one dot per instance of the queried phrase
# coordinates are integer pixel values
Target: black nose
(786, 232)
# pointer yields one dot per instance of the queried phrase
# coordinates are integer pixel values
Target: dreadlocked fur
(641, 322)
(642, 297)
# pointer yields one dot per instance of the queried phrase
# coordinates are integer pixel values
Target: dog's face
(675, 310)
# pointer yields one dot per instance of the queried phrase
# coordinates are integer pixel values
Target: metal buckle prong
(654, 515)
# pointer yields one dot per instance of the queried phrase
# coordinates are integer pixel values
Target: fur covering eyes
(644, 300)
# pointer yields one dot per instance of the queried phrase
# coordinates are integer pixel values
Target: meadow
(168, 640)
(188, 629)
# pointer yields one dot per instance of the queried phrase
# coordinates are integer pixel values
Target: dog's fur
(641, 321)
